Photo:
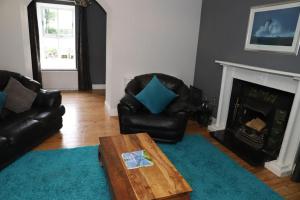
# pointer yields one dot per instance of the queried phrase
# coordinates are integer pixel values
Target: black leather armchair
(21, 132)
(168, 126)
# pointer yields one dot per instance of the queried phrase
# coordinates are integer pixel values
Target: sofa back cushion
(19, 98)
(27, 82)
(140, 82)
(4, 77)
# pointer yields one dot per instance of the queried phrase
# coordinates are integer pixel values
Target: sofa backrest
(26, 81)
(139, 82)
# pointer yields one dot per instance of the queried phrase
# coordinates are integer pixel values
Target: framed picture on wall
(274, 28)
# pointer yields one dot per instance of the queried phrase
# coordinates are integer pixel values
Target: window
(57, 36)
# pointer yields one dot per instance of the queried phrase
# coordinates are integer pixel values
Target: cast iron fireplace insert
(256, 122)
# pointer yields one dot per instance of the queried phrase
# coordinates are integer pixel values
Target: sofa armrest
(48, 99)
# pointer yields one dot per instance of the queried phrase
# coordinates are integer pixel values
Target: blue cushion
(155, 96)
(2, 100)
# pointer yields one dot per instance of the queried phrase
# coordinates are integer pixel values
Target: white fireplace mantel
(285, 81)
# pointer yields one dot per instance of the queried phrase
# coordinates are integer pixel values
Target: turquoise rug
(75, 174)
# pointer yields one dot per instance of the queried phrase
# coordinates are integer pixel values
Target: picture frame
(274, 28)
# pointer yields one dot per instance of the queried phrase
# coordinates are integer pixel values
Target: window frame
(42, 34)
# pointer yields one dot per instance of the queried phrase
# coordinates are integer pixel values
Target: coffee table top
(160, 181)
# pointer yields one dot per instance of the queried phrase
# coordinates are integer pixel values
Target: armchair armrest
(3, 142)
(132, 87)
(129, 104)
(49, 99)
(182, 118)
(177, 106)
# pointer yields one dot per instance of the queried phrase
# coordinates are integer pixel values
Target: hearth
(256, 122)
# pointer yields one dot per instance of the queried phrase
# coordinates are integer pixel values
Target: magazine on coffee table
(137, 159)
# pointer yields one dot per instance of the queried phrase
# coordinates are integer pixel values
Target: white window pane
(57, 38)
(65, 23)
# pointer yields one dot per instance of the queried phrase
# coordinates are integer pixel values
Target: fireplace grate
(256, 123)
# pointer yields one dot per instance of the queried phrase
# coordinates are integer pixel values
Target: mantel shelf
(259, 69)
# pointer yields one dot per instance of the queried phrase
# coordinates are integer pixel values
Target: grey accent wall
(96, 23)
(222, 36)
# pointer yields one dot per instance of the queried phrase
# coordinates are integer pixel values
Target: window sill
(59, 70)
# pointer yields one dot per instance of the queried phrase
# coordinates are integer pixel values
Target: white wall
(14, 55)
(151, 36)
(143, 36)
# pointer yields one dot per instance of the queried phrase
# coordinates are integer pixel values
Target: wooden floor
(85, 120)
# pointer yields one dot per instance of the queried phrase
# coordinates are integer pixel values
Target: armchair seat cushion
(151, 122)
(3, 142)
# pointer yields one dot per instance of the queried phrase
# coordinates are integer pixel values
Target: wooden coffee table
(160, 181)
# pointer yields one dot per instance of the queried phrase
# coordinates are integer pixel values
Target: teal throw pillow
(2, 100)
(155, 96)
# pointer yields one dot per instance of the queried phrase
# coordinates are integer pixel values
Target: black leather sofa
(21, 132)
(168, 126)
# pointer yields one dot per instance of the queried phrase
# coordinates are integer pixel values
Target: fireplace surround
(280, 80)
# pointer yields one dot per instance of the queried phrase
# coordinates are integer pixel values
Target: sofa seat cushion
(36, 113)
(151, 122)
(21, 131)
(6, 114)
(11, 116)
(46, 114)
(25, 126)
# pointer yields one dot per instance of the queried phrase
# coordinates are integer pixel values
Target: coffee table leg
(99, 156)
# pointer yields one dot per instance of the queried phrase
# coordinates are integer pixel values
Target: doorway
(61, 45)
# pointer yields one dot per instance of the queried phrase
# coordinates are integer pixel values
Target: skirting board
(98, 86)
(61, 89)
(94, 86)
(112, 112)
(278, 170)
(212, 126)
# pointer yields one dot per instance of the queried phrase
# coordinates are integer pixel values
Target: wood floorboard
(86, 119)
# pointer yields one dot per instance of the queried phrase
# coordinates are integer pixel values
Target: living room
(200, 55)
